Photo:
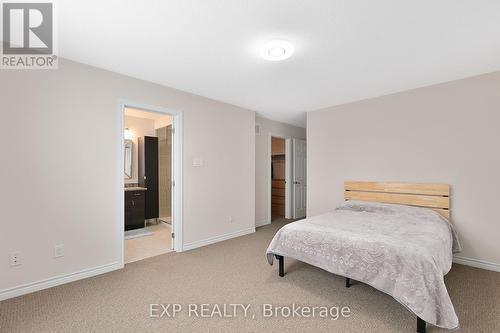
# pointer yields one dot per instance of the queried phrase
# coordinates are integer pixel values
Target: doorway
(151, 181)
(287, 178)
(278, 178)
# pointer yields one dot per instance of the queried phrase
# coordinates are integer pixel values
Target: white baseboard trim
(216, 239)
(57, 280)
(262, 223)
(491, 266)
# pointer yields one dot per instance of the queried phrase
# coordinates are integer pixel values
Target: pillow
(402, 210)
(369, 207)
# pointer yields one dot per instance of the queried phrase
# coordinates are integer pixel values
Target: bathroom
(148, 138)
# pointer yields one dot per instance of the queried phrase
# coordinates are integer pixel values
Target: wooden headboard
(434, 196)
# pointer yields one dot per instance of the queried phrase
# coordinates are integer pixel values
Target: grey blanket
(401, 250)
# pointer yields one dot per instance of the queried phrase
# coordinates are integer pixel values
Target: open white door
(299, 178)
(288, 179)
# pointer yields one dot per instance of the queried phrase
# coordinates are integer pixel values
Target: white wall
(262, 160)
(139, 127)
(163, 122)
(59, 143)
(447, 133)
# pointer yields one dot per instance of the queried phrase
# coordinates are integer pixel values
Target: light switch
(197, 162)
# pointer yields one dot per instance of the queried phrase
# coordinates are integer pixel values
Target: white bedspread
(401, 250)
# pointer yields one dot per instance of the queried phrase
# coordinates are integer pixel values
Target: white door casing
(299, 155)
(171, 182)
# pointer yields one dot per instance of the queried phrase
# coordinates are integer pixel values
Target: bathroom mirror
(127, 166)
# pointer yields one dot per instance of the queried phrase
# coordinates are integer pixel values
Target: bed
(396, 237)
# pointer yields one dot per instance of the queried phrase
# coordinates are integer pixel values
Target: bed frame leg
(281, 263)
(347, 282)
(421, 325)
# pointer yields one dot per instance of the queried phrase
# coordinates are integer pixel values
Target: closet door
(299, 178)
(148, 174)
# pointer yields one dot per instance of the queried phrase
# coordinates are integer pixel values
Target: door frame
(288, 175)
(177, 220)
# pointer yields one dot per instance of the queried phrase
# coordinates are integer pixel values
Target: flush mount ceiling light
(276, 50)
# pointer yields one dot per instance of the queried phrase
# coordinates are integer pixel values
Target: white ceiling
(344, 50)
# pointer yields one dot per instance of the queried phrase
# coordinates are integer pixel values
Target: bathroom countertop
(135, 188)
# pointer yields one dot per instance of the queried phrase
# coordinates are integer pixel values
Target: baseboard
(57, 280)
(491, 266)
(86, 273)
(262, 223)
(216, 239)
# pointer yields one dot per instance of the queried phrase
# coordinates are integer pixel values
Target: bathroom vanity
(135, 203)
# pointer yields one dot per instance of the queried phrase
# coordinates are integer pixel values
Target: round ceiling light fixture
(277, 50)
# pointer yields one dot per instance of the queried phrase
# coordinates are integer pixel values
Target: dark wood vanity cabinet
(134, 209)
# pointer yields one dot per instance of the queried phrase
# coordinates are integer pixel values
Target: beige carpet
(145, 247)
(235, 271)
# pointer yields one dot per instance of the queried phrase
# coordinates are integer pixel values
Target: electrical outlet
(59, 251)
(230, 219)
(15, 259)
